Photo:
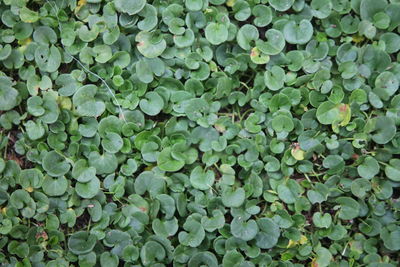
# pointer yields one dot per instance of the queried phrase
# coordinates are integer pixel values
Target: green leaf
(322, 220)
(28, 15)
(392, 170)
(165, 228)
(152, 105)
(282, 123)
(334, 163)
(89, 189)
(360, 187)
(201, 179)
(217, 221)
(203, 259)
(384, 130)
(216, 33)
(323, 258)
(286, 194)
(48, 58)
(86, 103)
(149, 47)
(327, 113)
(274, 44)
(274, 78)
(131, 7)
(369, 168)
(194, 5)
(245, 230)
(34, 129)
(8, 95)
(54, 164)
(193, 234)
(112, 142)
(109, 260)
(298, 33)
(349, 208)
(81, 243)
(268, 235)
(55, 186)
(246, 35)
(149, 182)
(103, 163)
(233, 197)
(281, 5)
(167, 163)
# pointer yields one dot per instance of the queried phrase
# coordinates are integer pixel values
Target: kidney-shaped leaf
(86, 103)
(268, 235)
(81, 242)
(55, 164)
(298, 33)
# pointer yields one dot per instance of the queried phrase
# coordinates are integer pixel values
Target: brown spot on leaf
(42, 234)
(343, 108)
(143, 209)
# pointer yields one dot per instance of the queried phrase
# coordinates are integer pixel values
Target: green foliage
(199, 133)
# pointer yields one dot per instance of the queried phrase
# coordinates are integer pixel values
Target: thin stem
(308, 179)
(245, 113)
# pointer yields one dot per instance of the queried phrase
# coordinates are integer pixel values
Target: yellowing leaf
(314, 263)
(24, 44)
(29, 189)
(80, 4)
(65, 102)
(344, 117)
(220, 127)
(345, 114)
(213, 66)
(291, 243)
(357, 38)
(297, 152)
(303, 240)
(28, 15)
(258, 57)
(25, 41)
(230, 3)
(148, 168)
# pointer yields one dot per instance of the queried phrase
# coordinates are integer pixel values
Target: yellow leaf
(291, 243)
(29, 189)
(80, 4)
(254, 52)
(345, 114)
(303, 240)
(297, 152)
(220, 127)
(65, 102)
(357, 38)
(148, 168)
(25, 42)
(230, 3)
(213, 66)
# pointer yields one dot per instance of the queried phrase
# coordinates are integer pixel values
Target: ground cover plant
(199, 133)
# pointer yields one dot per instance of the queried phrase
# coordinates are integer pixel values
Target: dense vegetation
(199, 133)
